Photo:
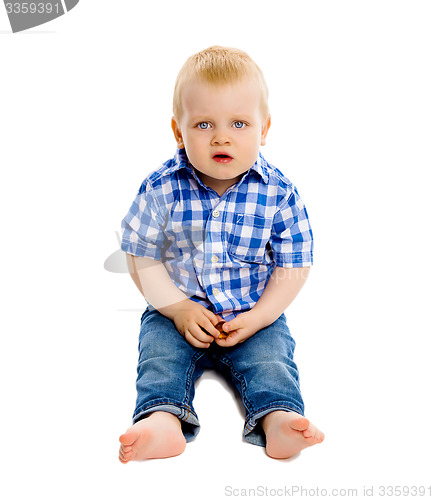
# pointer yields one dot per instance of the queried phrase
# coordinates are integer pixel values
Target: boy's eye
(203, 125)
(239, 124)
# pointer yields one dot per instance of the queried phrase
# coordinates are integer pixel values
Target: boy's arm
(155, 284)
(281, 289)
(153, 281)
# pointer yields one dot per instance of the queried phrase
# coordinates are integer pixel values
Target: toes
(314, 435)
(307, 433)
(128, 438)
(124, 456)
(299, 423)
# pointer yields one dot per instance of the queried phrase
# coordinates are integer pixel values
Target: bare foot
(287, 433)
(158, 435)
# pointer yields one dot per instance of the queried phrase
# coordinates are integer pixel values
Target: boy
(218, 242)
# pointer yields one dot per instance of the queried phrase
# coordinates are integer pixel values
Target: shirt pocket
(249, 238)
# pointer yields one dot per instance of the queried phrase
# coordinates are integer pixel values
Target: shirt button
(215, 258)
(215, 292)
(215, 213)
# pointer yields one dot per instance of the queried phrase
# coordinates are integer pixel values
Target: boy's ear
(177, 133)
(264, 130)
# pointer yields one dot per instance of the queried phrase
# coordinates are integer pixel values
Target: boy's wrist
(171, 311)
(262, 316)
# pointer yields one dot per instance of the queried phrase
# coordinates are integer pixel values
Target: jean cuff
(189, 420)
(253, 432)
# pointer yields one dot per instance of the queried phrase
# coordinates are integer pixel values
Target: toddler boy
(219, 243)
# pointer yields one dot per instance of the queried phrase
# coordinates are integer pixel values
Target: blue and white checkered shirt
(220, 251)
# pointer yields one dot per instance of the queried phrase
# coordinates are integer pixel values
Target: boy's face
(222, 128)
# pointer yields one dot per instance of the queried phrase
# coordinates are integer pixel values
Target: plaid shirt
(220, 251)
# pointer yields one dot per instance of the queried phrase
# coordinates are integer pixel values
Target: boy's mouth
(222, 158)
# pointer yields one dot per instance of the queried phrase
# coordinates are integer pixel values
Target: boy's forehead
(201, 95)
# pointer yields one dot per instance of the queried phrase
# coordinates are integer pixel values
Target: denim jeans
(261, 368)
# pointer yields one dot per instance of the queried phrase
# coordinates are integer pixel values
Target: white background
(85, 108)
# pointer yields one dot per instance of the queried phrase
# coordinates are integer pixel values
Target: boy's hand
(239, 329)
(190, 318)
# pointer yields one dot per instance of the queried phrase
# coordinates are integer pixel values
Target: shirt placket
(214, 257)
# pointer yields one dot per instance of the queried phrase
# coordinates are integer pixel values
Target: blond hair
(218, 65)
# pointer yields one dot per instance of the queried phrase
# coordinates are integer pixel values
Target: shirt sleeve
(142, 233)
(292, 237)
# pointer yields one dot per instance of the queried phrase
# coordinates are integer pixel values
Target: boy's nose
(220, 137)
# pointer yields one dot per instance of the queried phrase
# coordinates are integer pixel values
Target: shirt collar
(181, 161)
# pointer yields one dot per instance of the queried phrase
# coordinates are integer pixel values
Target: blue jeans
(261, 368)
